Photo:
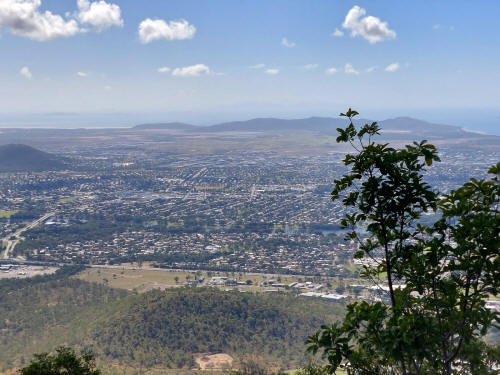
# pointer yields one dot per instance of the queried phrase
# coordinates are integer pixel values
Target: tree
(64, 361)
(438, 275)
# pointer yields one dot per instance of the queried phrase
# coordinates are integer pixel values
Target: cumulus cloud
(331, 71)
(99, 14)
(338, 33)
(370, 69)
(150, 30)
(23, 18)
(258, 66)
(191, 71)
(81, 74)
(392, 67)
(25, 72)
(164, 69)
(349, 69)
(272, 71)
(310, 66)
(285, 42)
(369, 27)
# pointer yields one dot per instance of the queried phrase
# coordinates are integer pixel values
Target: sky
(116, 62)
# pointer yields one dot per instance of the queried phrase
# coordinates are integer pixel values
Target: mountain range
(390, 127)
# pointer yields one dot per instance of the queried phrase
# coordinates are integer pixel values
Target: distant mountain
(320, 124)
(417, 127)
(167, 125)
(23, 158)
(399, 127)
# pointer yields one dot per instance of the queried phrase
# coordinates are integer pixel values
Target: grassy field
(6, 214)
(67, 200)
(142, 280)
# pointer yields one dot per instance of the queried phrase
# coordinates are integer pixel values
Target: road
(11, 244)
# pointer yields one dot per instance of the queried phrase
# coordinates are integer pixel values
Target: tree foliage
(64, 361)
(438, 275)
(167, 327)
(157, 328)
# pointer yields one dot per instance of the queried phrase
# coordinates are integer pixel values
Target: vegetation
(438, 275)
(154, 329)
(44, 312)
(17, 158)
(165, 328)
(6, 214)
(64, 361)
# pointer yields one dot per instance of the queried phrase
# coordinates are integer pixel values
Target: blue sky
(437, 60)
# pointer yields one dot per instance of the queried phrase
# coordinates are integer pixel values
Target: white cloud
(392, 67)
(349, 69)
(285, 42)
(81, 74)
(370, 69)
(164, 69)
(191, 71)
(258, 66)
(331, 71)
(23, 18)
(369, 27)
(338, 33)
(272, 71)
(100, 14)
(150, 30)
(310, 66)
(25, 72)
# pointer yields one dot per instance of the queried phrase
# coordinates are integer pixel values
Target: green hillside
(40, 313)
(157, 329)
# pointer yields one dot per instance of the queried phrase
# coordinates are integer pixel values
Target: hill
(155, 329)
(392, 128)
(23, 158)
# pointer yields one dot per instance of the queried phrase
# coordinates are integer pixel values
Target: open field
(6, 214)
(142, 280)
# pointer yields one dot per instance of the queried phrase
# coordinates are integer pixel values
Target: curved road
(11, 244)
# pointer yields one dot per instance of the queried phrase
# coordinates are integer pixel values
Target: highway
(11, 244)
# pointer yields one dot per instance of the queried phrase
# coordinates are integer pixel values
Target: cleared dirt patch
(26, 271)
(214, 361)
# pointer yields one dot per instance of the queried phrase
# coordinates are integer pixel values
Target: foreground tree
(64, 361)
(438, 276)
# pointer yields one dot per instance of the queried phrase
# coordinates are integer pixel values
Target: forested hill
(167, 327)
(157, 329)
(23, 158)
